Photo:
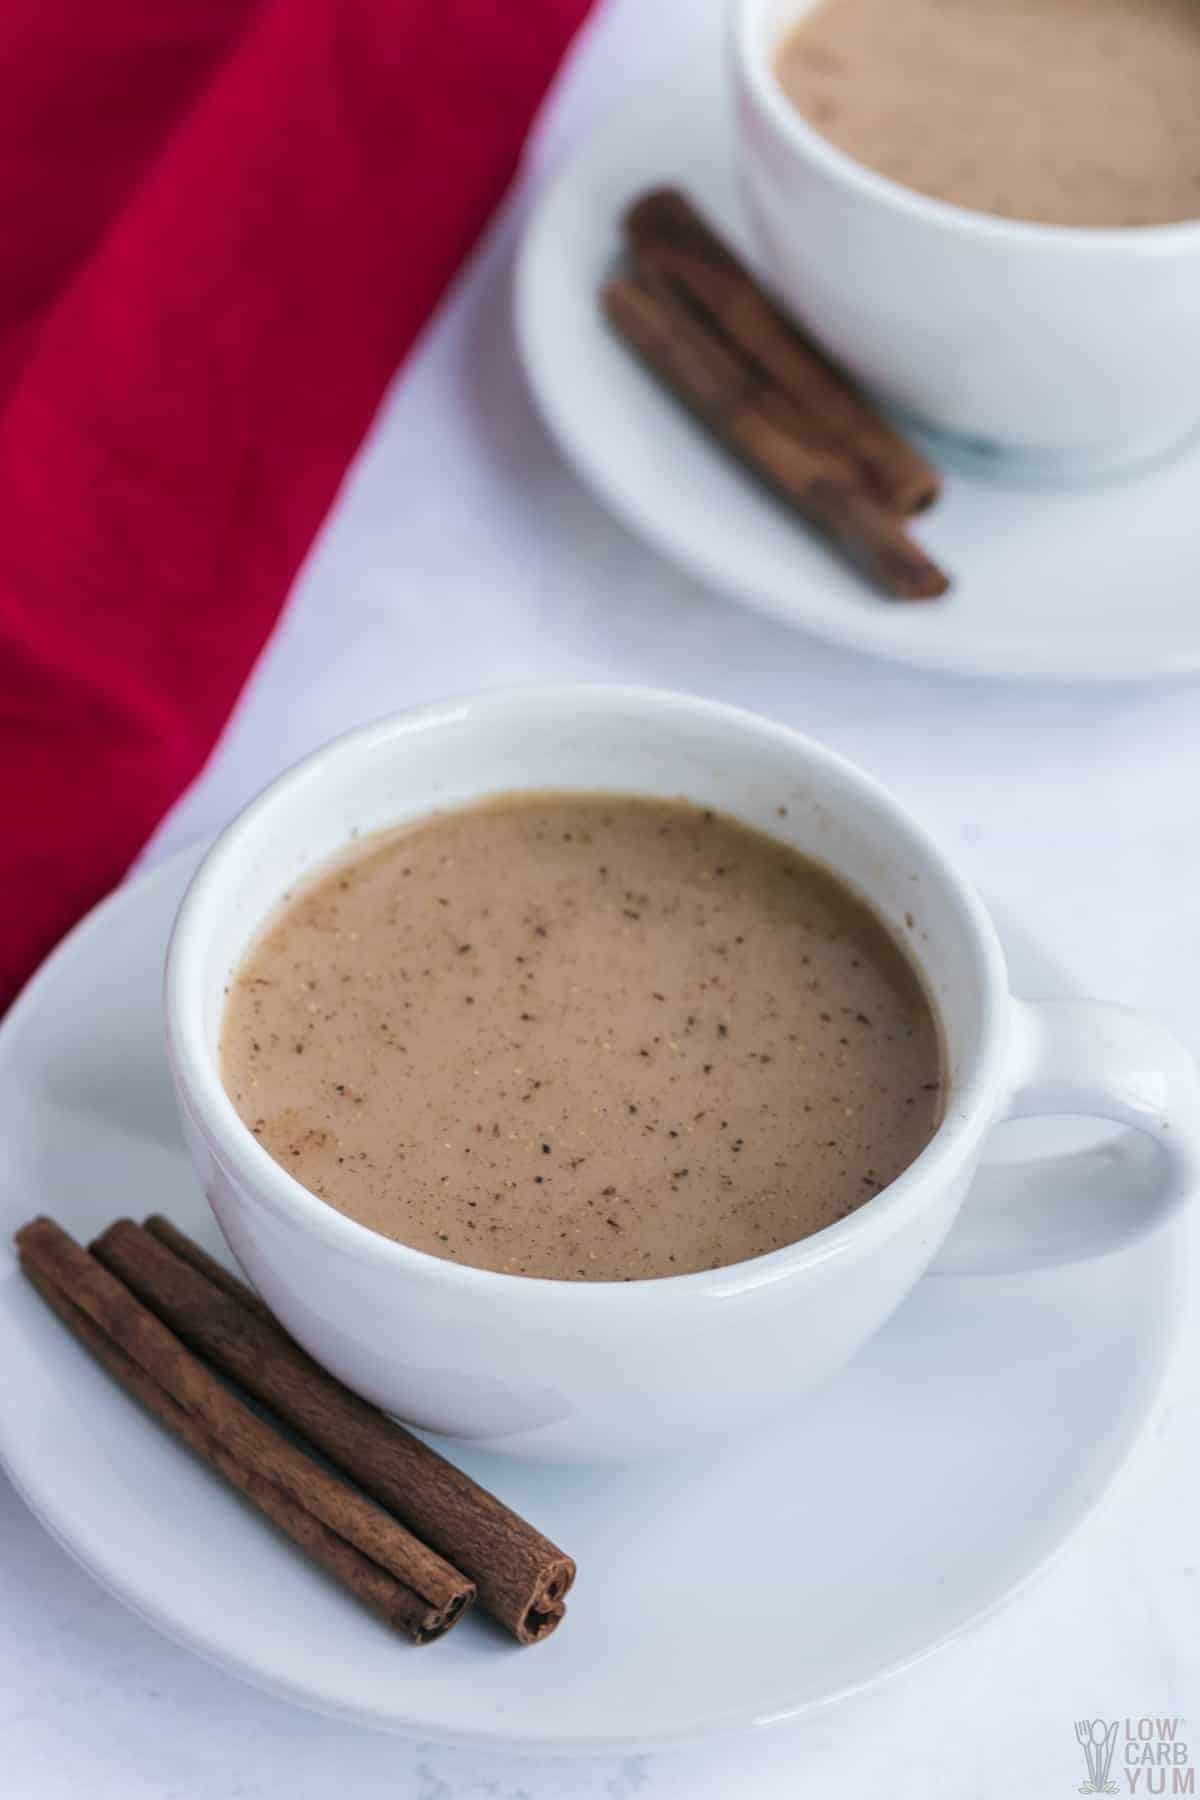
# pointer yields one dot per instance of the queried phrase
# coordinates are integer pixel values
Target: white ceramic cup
(578, 1370)
(1064, 351)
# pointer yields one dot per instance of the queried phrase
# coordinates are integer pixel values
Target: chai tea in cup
(586, 1036)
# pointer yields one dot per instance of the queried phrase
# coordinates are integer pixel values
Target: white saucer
(1095, 583)
(918, 1490)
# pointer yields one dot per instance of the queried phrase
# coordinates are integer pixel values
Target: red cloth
(225, 221)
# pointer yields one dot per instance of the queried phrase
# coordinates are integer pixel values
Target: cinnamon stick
(763, 428)
(521, 1577)
(409, 1584)
(397, 1605)
(672, 241)
(191, 1252)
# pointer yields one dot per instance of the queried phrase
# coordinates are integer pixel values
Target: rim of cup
(753, 45)
(970, 1108)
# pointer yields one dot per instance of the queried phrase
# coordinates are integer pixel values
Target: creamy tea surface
(1069, 112)
(588, 1036)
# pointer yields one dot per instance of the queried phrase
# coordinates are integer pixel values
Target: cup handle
(1073, 1057)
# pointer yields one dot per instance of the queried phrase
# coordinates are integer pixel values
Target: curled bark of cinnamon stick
(762, 427)
(672, 241)
(191, 1252)
(402, 1579)
(521, 1577)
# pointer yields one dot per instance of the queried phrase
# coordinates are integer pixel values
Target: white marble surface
(463, 553)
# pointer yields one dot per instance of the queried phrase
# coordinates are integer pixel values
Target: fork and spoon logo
(1097, 1739)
